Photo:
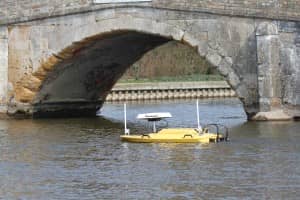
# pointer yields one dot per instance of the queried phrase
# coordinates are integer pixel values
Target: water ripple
(84, 158)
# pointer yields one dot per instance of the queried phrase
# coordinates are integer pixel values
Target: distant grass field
(192, 78)
(171, 62)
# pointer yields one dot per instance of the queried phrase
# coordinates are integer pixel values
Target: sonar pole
(126, 130)
(198, 118)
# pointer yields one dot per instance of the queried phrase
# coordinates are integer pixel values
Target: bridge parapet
(13, 11)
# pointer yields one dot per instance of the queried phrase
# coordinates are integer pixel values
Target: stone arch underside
(79, 85)
(88, 59)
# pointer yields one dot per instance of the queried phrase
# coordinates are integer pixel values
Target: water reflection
(84, 158)
(228, 112)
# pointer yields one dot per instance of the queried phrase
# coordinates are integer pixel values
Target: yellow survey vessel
(175, 135)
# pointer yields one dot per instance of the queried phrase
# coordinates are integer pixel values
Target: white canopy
(153, 116)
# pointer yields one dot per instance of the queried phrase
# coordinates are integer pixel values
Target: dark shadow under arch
(78, 84)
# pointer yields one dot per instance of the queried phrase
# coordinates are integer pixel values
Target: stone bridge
(63, 57)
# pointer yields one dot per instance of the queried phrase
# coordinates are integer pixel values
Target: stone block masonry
(274, 9)
(13, 11)
(268, 66)
(57, 56)
(3, 67)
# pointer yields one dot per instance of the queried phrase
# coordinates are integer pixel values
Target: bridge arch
(81, 68)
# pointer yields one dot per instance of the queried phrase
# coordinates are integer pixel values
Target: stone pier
(3, 69)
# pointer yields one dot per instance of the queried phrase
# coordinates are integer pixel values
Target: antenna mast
(198, 117)
(126, 131)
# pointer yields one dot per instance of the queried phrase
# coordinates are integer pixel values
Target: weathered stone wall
(12, 11)
(275, 9)
(3, 68)
(278, 58)
(39, 47)
(71, 57)
(268, 45)
(289, 35)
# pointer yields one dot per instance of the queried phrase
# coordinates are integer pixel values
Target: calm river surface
(84, 158)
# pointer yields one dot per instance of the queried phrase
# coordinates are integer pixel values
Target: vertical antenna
(154, 127)
(126, 131)
(198, 117)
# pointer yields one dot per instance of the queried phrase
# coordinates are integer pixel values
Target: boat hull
(174, 136)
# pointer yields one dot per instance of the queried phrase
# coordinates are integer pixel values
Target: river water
(84, 158)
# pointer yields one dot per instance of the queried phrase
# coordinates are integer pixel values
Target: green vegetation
(171, 62)
(195, 77)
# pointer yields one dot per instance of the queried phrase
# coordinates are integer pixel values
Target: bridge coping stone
(13, 11)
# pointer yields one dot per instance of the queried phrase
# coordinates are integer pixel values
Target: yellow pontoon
(175, 135)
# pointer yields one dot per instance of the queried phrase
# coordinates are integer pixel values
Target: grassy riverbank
(186, 78)
(171, 62)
